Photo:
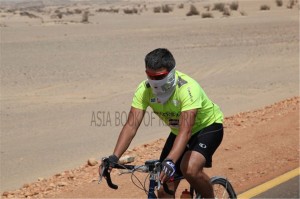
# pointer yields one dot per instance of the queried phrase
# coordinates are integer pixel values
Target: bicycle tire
(228, 191)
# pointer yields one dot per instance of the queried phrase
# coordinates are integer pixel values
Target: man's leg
(192, 168)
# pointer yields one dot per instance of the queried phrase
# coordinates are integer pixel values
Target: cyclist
(195, 122)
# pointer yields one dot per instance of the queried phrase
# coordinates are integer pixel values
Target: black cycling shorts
(205, 141)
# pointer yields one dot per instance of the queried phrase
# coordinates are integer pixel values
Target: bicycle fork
(154, 182)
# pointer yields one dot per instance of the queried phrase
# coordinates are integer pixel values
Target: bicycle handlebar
(148, 167)
(104, 171)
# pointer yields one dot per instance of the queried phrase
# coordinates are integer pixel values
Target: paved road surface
(289, 189)
(284, 186)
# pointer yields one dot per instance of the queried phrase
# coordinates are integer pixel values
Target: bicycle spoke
(220, 191)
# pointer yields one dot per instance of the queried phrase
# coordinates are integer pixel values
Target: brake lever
(102, 168)
(158, 168)
(106, 174)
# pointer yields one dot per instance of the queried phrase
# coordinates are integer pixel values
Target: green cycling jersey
(188, 95)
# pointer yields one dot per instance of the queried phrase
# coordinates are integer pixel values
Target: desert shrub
(279, 3)
(265, 7)
(234, 5)
(180, 6)
(59, 15)
(226, 12)
(290, 4)
(68, 12)
(77, 11)
(243, 13)
(145, 7)
(207, 15)
(10, 10)
(157, 9)
(30, 15)
(193, 11)
(207, 7)
(166, 8)
(116, 10)
(219, 6)
(111, 10)
(85, 17)
(130, 11)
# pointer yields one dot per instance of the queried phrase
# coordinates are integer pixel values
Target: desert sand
(66, 86)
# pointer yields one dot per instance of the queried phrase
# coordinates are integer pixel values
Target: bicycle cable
(145, 183)
(140, 185)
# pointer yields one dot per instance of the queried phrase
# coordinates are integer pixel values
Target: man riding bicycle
(195, 122)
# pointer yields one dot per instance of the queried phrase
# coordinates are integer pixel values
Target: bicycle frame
(152, 185)
(154, 168)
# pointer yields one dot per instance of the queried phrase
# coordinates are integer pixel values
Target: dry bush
(207, 7)
(85, 17)
(59, 15)
(157, 9)
(234, 5)
(68, 12)
(207, 15)
(243, 13)
(279, 3)
(291, 4)
(145, 7)
(226, 12)
(166, 8)
(111, 10)
(193, 11)
(11, 10)
(219, 6)
(77, 11)
(265, 7)
(116, 10)
(180, 6)
(30, 15)
(130, 11)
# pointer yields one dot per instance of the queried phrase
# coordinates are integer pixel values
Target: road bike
(222, 187)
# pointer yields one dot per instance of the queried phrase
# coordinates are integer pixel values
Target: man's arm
(128, 131)
(186, 122)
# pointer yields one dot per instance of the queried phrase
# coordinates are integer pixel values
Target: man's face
(157, 74)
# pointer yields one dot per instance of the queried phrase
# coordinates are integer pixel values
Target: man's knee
(193, 168)
(190, 172)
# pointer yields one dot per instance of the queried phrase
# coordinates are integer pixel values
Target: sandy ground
(56, 74)
(257, 146)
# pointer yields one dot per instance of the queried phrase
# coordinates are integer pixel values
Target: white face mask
(165, 87)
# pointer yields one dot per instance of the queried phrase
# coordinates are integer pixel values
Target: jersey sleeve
(190, 97)
(140, 97)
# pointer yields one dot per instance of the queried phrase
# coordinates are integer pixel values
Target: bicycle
(153, 167)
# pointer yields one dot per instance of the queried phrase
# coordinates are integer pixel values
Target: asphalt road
(284, 186)
(288, 189)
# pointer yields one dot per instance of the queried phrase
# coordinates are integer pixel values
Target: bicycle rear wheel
(222, 188)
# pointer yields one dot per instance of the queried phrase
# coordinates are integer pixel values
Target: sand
(57, 74)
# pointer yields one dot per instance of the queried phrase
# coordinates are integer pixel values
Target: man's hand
(168, 170)
(112, 160)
